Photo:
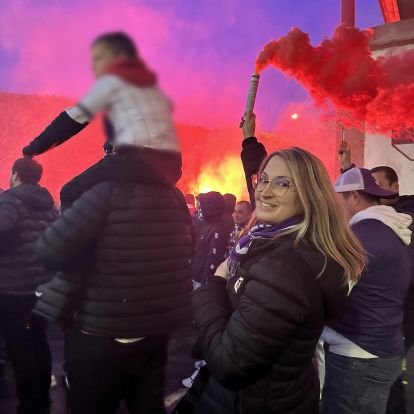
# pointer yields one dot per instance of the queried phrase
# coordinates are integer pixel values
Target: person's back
(26, 210)
(124, 250)
(136, 246)
(33, 211)
(212, 237)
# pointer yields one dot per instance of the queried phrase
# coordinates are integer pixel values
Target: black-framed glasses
(279, 185)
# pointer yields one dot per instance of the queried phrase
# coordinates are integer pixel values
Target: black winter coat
(259, 336)
(131, 245)
(25, 212)
(212, 238)
(406, 205)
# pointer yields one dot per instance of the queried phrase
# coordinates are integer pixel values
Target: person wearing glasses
(260, 317)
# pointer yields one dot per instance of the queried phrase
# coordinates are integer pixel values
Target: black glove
(59, 131)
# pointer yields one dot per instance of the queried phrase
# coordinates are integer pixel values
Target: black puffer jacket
(25, 212)
(212, 237)
(131, 244)
(259, 336)
(406, 205)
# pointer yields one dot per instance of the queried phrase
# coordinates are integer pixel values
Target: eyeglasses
(279, 185)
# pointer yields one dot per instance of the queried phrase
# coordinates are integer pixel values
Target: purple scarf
(260, 231)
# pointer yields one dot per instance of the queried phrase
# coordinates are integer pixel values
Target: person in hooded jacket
(260, 317)
(366, 343)
(230, 201)
(26, 210)
(212, 237)
(401, 399)
(122, 252)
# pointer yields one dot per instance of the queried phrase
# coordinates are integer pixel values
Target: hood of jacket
(212, 205)
(133, 71)
(405, 204)
(399, 223)
(32, 195)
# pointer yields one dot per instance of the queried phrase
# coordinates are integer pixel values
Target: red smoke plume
(211, 157)
(342, 72)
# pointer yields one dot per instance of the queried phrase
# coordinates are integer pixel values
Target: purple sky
(203, 50)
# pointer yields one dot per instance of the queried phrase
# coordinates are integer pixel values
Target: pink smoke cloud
(52, 47)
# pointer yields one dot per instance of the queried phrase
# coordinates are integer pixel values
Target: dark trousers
(154, 167)
(401, 400)
(357, 385)
(28, 351)
(102, 372)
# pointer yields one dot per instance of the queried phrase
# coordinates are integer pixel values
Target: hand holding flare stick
(341, 148)
(251, 97)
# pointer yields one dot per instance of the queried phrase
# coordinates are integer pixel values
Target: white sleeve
(95, 100)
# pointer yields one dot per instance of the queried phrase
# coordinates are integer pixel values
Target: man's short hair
(230, 201)
(28, 170)
(389, 172)
(119, 43)
(247, 204)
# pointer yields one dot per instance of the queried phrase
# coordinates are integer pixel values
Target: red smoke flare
(342, 72)
(208, 164)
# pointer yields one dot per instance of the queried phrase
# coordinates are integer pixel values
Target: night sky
(203, 50)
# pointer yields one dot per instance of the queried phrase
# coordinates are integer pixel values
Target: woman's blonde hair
(324, 225)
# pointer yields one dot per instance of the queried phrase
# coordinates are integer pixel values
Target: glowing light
(204, 189)
(294, 116)
(227, 177)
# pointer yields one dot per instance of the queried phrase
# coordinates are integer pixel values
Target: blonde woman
(260, 317)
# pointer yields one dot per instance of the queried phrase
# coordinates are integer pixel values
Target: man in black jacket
(123, 250)
(25, 212)
(212, 238)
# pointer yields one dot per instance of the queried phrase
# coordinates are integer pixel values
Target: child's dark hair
(28, 170)
(119, 43)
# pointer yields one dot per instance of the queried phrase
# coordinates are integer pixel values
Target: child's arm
(75, 119)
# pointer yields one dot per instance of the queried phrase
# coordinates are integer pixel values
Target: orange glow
(294, 116)
(226, 177)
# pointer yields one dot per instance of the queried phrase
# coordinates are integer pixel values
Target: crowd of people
(302, 296)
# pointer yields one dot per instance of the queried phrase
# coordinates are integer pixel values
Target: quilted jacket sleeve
(73, 235)
(240, 346)
(9, 214)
